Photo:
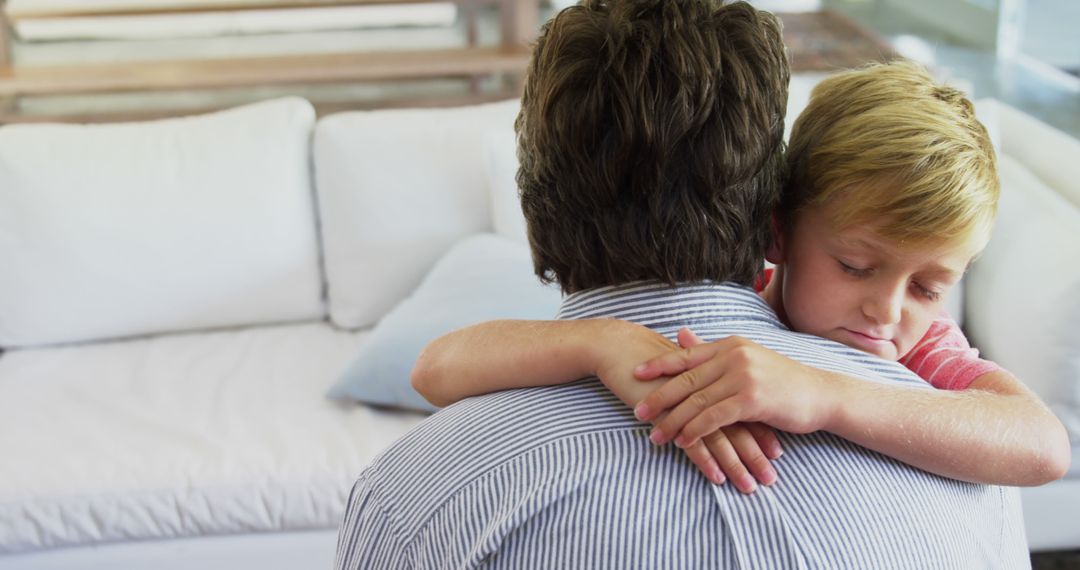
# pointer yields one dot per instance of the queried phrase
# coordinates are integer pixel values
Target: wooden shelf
(246, 72)
(142, 9)
(518, 25)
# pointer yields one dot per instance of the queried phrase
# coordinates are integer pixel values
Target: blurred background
(95, 60)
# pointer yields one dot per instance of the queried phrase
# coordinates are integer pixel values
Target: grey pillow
(481, 278)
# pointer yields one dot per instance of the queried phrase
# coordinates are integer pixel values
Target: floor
(823, 41)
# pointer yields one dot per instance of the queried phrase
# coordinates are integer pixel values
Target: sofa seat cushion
(183, 435)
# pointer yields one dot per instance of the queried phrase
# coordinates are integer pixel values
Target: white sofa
(177, 297)
(1022, 296)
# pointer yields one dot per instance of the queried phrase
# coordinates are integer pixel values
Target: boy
(892, 193)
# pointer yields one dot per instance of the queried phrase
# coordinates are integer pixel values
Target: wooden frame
(8, 103)
(7, 34)
(520, 17)
(518, 22)
(136, 9)
(247, 72)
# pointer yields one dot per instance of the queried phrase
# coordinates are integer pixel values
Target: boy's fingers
(725, 455)
(676, 361)
(670, 426)
(682, 410)
(648, 371)
(701, 457)
(688, 338)
(684, 390)
(766, 438)
(750, 453)
(670, 364)
(717, 416)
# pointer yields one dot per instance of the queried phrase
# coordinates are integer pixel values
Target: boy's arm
(1010, 436)
(995, 432)
(500, 355)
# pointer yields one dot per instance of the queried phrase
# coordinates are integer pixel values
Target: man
(651, 135)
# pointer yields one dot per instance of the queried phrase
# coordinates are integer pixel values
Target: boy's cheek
(911, 335)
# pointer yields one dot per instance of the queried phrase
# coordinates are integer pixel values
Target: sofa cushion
(126, 229)
(501, 165)
(1023, 293)
(1046, 152)
(482, 278)
(396, 189)
(181, 435)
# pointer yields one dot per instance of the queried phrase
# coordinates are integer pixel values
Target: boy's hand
(729, 381)
(615, 347)
(739, 453)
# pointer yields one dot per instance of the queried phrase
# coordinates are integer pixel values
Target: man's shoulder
(478, 434)
(482, 442)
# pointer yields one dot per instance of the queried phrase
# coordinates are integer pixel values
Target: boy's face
(856, 288)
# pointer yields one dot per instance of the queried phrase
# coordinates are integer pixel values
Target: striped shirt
(565, 477)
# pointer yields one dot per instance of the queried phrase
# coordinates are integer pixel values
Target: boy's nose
(885, 306)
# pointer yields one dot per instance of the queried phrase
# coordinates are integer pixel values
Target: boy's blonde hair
(900, 151)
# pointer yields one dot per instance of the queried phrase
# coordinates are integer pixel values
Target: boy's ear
(775, 252)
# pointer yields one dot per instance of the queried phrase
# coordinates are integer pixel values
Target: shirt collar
(657, 305)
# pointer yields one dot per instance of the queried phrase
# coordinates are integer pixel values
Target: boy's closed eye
(934, 285)
(929, 294)
(854, 270)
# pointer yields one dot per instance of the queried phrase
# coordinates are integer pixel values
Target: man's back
(565, 477)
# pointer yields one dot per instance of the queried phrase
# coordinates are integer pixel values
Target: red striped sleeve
(945, 359)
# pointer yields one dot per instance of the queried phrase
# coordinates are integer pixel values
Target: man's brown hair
(651, 142)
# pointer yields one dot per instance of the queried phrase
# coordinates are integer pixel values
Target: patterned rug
(829, 41)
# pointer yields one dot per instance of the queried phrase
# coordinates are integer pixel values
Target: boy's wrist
(836, 396)
(597, 340)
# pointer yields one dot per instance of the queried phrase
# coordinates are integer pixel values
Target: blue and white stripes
(565, 477)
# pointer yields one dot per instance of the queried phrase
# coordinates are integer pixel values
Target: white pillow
(126, 229)
(483, 277)
(1048, 153)
(396, 189)
(500, 160)
(1023, 293)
